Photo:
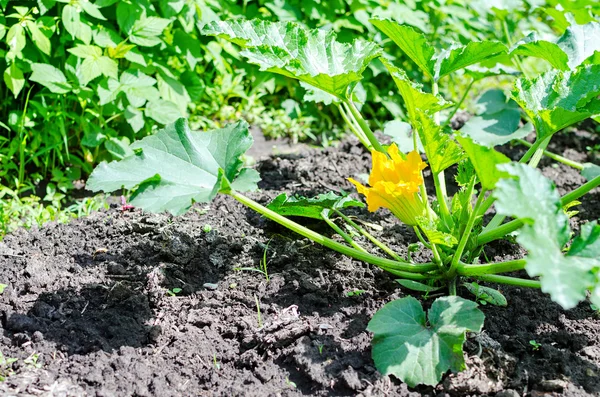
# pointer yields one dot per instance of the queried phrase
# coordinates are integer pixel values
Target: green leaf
(72, 22)
(486, 294)
(127, 15)
(92, 68)
(309, 55)
(480, 72)
(496, 121)
(91, 9)
(176, 167)
(485, 161)
(590, 171)
(417, 286)
(434, 235)
(458, 57)
(442, 152)
(172, 90)
(534, 199)
(533, 46)
(558, 99)
(135, 118)
(580, 42)
(50, 77)
(587, 244)
(14, 79)
(16, 40)
(165, 112)
(405, 346)
(414, 44)
(313, 206)
(86, 51)
(401, 133)
(415, 99)
(146, 31)
(39, 39)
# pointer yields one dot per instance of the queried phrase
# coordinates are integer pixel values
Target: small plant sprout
(258, 314)
(290, 383)
(262, 268)
(356, 292)
(320, 346)
(173, 291)
(414, 345)
(535, 345)
(207, 228)
(216, 364)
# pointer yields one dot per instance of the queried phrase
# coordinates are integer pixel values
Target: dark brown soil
(91, 301)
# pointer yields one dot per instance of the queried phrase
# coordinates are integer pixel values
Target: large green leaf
(496, 121)
(416, 46)
(311, 207)
(310, 55)
(534, 199)
(406, 346)
(485, 161)
(176, 167)
(441, 150)
(14, 79)
(558, 99)
(578, 43)
(50, 77)
(415, 99)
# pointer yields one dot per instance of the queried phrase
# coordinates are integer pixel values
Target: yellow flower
(395, 185)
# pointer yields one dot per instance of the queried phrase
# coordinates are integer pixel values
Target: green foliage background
(81, 79)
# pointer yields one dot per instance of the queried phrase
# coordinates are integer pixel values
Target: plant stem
(439, 179)
(22, 143)
(539, 152)
(490, 268)
(356, 131)
(464, 239)
(384, 263)
(460, 102)
(362, 231)
(421, 239)
(339, 231)
(500, 231)
(417, 276)
(364, 126)
(554, 156)
(519, 282)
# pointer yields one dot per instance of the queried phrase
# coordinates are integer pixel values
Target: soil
(126, 303)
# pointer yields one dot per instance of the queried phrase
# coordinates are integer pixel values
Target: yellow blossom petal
(395, 183)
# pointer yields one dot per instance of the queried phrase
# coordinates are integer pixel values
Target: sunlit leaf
(311, 207)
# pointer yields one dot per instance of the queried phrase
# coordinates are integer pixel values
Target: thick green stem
(440, 193)
(500, 231)
(342, 233)
(466, 234)
(364, 126)
(384, 263)
(460, 102)
(554, 156)
(417, 276)
(539, 152)
(372, 239)
(490, 268)
(519, 282)
(354, 128)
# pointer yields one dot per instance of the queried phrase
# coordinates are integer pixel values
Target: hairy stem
(554, 156)
(364, 126)
(466, 234)
(354, 128)
(384, 263)
(362, 231)
(519, 282)
(342, 233)
(490, 268)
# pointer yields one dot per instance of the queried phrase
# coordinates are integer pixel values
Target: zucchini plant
(176, 167)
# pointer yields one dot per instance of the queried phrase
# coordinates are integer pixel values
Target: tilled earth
(125, 303)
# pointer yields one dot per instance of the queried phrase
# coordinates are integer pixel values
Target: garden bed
(98, 302)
